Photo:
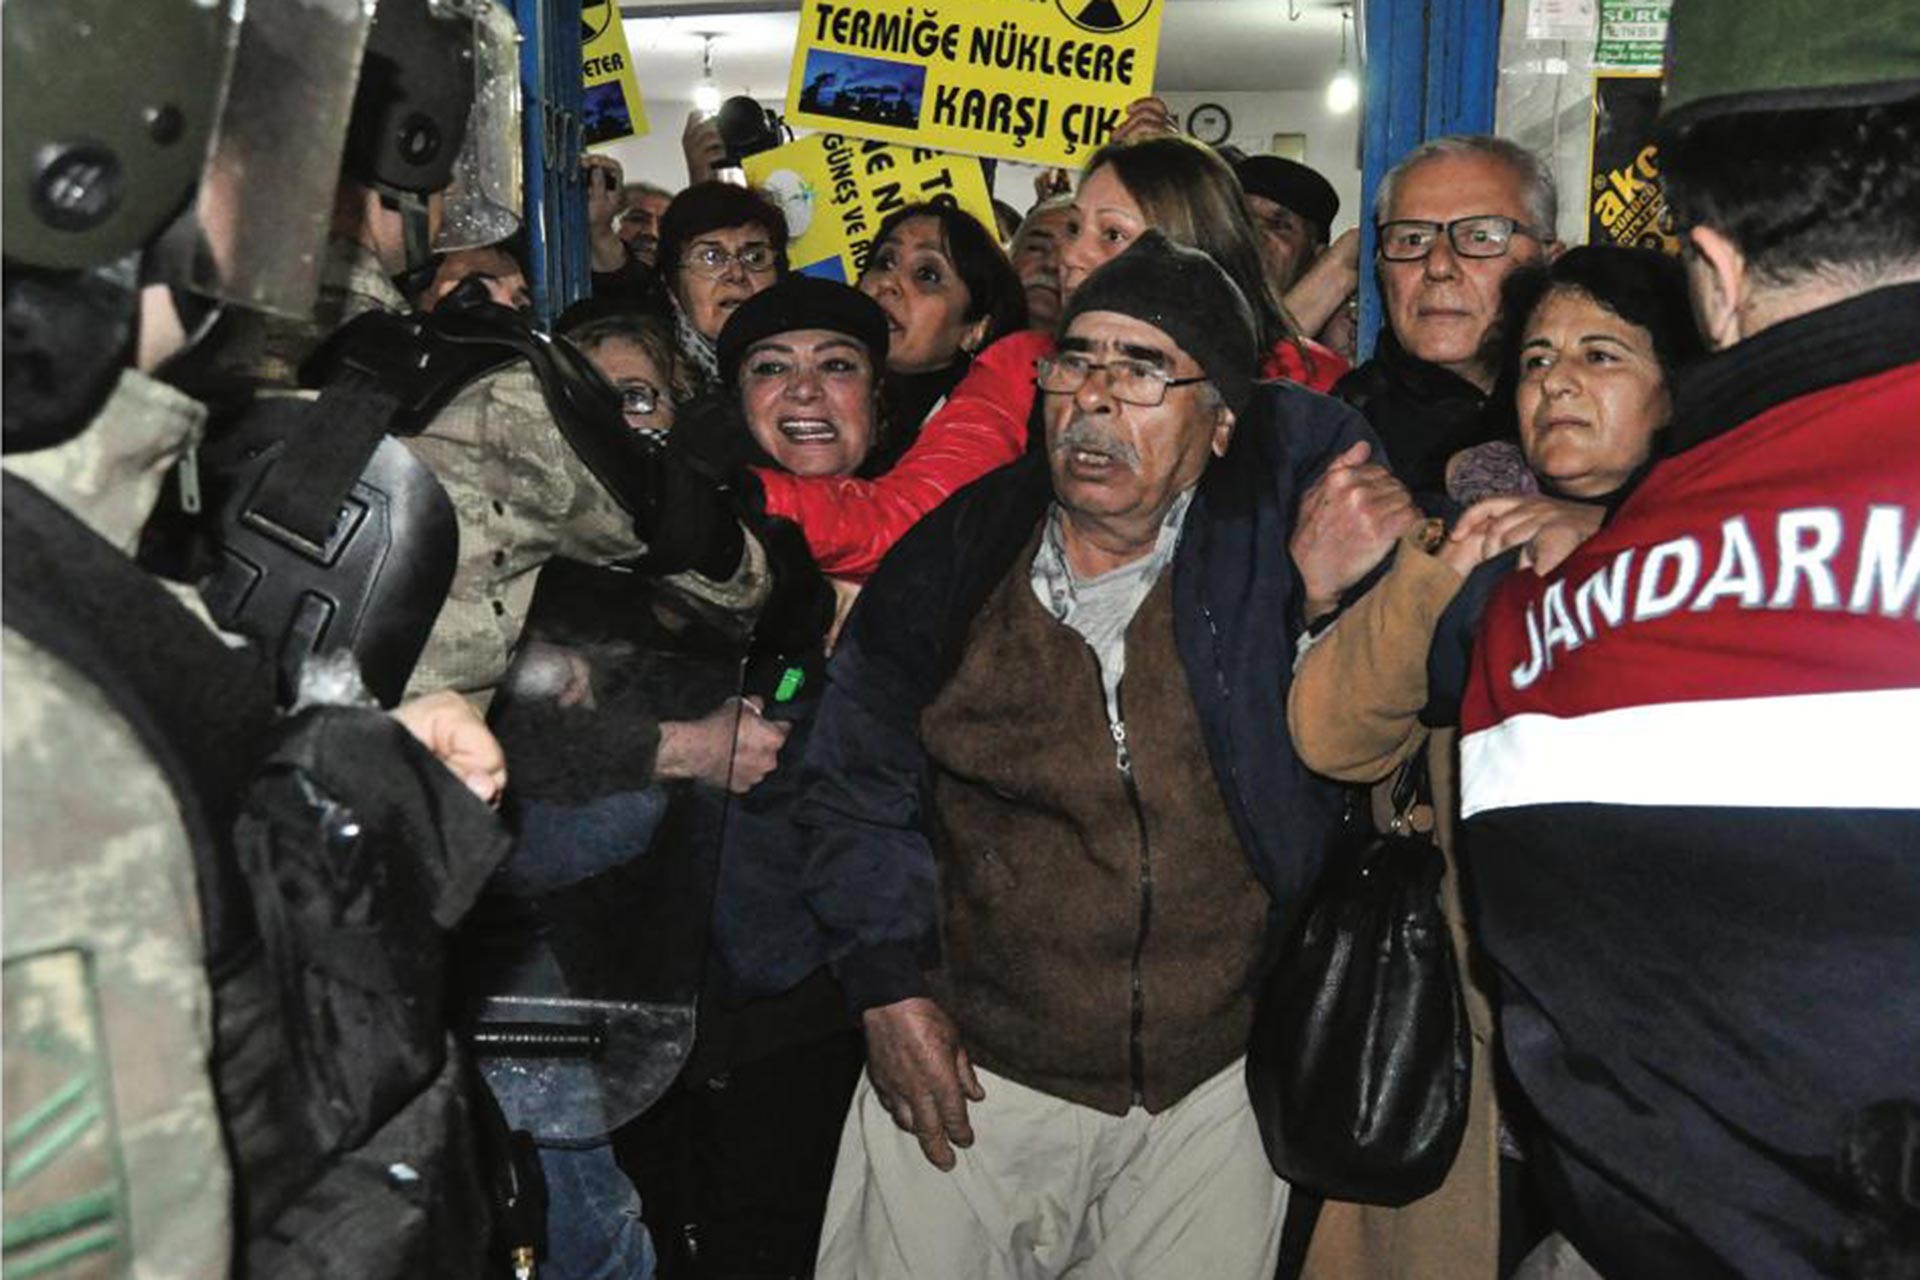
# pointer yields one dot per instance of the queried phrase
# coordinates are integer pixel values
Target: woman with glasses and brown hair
(1168, 182)
(637, 354)
(719, 245)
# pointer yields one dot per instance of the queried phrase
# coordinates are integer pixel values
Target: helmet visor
(267, 193)
(482, 204)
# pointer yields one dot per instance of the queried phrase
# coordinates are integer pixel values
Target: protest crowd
(1049, 753)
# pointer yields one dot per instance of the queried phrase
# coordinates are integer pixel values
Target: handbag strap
(1411, 788)
(1296, 1232)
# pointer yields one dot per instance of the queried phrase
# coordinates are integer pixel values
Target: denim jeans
(594, 1230)
(563, 844)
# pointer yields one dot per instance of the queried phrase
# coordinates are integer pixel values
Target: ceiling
(1225, 45)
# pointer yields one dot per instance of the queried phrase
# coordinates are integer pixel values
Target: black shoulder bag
(1358, 1065)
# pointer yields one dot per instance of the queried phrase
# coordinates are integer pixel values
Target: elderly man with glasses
(1055, 820)
(1454, 219)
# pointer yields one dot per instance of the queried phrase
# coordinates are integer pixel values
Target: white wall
(656, 157)
(1333, 143)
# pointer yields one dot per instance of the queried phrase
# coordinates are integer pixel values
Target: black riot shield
(619, 717)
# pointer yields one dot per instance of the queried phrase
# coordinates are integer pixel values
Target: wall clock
(1210, 123)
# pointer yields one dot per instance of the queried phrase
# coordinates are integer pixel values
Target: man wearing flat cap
(1687, 755)
(1054, 819)
(1293, 208)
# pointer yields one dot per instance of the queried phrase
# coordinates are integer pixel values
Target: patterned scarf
(696, 346)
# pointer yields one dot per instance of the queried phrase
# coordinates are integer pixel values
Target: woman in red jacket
(949, 292)
(1168, 182)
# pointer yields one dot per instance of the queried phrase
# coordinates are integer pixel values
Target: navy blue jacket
(1237, 603)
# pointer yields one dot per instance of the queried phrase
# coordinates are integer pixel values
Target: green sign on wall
(1633, 35)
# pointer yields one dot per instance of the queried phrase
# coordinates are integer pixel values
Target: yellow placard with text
(613, 109)
(836, 190)
(1039, 81)
(1627, 200)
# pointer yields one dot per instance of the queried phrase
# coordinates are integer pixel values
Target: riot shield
(620, 717)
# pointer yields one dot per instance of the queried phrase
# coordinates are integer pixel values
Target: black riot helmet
(108, 110)
(437, 112)
(187, 143)
(108, 107)
(416, 89)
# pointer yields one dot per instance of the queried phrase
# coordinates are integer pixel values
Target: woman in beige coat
(1596, 336)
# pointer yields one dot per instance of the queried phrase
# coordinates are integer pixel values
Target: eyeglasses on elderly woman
(712, 260)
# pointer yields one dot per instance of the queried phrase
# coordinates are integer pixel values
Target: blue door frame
(556, 202)
(1432, 67)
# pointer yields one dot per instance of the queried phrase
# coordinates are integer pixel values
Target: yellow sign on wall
(1041, 81)
(836, 190)
(613, 108)
(1627, 203)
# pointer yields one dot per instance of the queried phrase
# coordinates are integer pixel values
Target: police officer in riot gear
(332, 534)
(329, 539)
(210, 1066)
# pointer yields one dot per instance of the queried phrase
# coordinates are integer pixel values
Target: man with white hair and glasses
(1454, 219)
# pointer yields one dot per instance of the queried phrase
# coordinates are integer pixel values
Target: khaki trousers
(1053, 1189)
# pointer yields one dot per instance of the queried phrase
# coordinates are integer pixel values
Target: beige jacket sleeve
(1357, 693)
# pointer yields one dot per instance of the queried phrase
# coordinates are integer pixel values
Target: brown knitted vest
(1046, 863)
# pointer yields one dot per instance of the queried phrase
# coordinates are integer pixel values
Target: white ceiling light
(706, 94)
(1343, 91)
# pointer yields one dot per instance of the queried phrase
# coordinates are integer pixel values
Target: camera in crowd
(748, 129)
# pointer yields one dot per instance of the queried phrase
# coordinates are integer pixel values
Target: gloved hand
(710, 434)
(687, 520)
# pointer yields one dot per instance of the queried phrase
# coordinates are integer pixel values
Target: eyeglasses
(639, 398)
(712, 261)
(1129, 381)
(1486, 235)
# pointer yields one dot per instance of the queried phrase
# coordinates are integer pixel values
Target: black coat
(1237, 601)
(1424, 415)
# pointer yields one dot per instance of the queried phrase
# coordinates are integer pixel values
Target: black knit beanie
(803, 302)
(1187, 296)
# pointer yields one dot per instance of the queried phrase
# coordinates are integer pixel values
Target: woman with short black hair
(1592, 342)
(948, 291)
(738, 1154)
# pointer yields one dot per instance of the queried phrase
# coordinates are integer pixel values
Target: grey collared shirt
(1102, 607)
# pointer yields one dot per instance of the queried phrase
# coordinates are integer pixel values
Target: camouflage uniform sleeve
(114, 1152)
(523, 497)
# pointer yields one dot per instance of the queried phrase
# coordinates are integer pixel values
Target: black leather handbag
(1358, 1065)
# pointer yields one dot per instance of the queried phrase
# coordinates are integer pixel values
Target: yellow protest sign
(836, 190)
(1042, 81)
(613, 108)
